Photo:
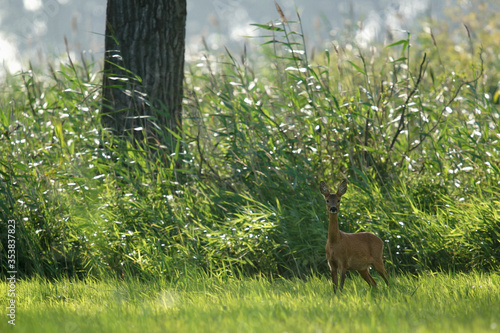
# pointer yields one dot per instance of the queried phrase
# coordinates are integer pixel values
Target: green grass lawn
(428, 303)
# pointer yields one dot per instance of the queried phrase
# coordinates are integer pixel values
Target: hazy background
(34, 30)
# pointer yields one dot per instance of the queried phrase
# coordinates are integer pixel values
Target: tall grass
(413, 125)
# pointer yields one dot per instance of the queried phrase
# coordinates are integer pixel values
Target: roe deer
(346, 251)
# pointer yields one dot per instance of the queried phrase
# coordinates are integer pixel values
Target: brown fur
(350, 251)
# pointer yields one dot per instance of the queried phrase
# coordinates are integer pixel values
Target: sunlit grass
(428, 303)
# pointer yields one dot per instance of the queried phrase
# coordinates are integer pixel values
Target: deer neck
(333, 228)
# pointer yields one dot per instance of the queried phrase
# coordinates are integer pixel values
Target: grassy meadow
(226, 230)
(438, 302)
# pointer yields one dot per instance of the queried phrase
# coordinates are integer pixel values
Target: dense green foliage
(414, 126)
(430, 303)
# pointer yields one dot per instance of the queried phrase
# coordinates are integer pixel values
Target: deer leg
(335, 280)
(333, 271)
(365, 274)
(379, 267)
(342, 278)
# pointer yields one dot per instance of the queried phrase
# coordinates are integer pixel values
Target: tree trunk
(144, 68)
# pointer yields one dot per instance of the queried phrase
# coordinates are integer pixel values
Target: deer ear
(342, 188)
(325, 190)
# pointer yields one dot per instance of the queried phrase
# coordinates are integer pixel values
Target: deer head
(333, 199)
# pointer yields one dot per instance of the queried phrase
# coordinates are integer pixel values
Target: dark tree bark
(144, 68)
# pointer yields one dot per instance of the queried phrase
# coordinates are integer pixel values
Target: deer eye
(327, 200)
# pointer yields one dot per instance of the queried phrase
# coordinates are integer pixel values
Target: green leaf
(271, 42)
(399, 42)
(359, 69)
(404, 42)
(268, 27)
(59, 132)
(400, 59)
